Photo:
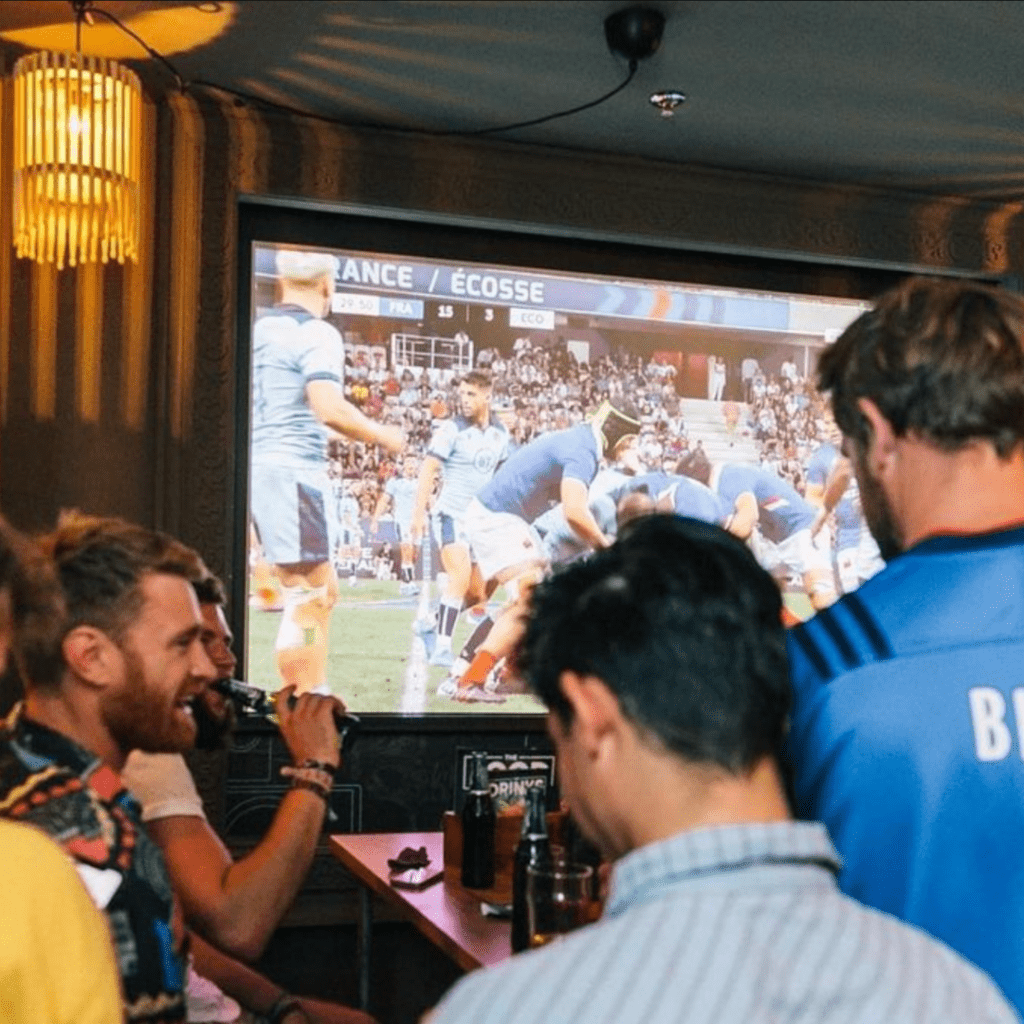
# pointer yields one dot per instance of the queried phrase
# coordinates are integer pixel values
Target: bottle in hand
(534, 849)
(478, 830)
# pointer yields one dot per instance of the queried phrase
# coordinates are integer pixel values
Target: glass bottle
(534, 848)
(478, 830)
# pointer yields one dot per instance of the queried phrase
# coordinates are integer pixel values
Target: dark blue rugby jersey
(907, 741)
(530, 481)
(689, 498)
(781, 510)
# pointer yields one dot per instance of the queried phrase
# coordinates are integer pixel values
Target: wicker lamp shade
(77, 159)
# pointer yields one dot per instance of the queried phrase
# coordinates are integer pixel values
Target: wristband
(285, 1004)
(321, 778)
(314, 787)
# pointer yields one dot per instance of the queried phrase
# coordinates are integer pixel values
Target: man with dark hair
(662, 662)
(909, 694)
(117, 673)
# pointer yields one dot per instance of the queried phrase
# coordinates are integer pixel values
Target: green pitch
(375, 661)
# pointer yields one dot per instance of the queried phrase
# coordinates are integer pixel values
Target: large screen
(369, 569)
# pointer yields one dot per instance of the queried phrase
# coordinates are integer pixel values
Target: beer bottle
(478, 830)
(534, 849)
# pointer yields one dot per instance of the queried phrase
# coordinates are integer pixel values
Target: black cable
(552, 117)
(92, 9)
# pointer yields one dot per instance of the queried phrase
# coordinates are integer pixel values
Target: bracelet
(285, 1004)
(321, 778)
(320, 766)
(314, 787)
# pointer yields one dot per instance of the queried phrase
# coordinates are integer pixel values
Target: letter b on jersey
(992, 737)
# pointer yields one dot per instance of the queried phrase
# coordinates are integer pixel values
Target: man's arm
(424, 488)
(237, 905)
(827, 497)
(576, 507)
(333, 410)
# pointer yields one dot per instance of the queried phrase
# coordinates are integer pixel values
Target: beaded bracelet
(314, 787)
(321, 778)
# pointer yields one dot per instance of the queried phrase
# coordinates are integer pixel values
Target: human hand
(308, 727)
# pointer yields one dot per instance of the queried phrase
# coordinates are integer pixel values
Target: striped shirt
(734, 924)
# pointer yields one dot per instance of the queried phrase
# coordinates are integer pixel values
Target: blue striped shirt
(733, 924)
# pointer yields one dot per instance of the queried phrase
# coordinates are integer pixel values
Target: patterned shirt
(727, 925)
(48, 781)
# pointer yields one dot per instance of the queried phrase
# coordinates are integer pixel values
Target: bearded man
(119, 674)
(908, 710)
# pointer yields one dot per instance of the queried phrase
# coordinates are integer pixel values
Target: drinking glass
(559, 898)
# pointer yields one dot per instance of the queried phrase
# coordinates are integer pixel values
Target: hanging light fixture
(77, 157)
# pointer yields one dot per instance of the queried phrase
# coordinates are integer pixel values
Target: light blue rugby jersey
(403, 498)
(847, 510)
(907, 741)
(781, 511)
(291, 347)
(530, 482)
(470, 456)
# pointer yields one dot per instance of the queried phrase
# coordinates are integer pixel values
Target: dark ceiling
(925, 96)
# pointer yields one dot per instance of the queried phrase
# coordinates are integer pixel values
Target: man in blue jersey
(298, 370)
(662, 663)
(467, 448)
(909, 693)
(400, 491)
(783, 541)
(553, 468)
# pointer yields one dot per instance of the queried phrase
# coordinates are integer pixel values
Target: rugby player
(401, 492)
(467, 449)
(298, 370)
(559, 466)
(783, 540)
(831, 487)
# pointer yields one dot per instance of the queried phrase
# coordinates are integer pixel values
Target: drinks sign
(511, 774)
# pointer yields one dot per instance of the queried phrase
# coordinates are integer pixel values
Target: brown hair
(942, 359)
(101, 563)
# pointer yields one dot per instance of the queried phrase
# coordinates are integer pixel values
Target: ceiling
(924, 96)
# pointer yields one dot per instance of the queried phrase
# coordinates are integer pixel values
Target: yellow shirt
(56, 959)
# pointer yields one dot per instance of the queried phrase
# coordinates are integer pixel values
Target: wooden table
(446, 913)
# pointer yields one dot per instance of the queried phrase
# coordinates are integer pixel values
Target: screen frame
(460, 239)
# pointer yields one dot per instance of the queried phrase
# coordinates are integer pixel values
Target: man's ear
(91, 655)
(596, 714)
(881, 445)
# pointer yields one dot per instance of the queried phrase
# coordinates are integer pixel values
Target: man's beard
(138, 717)
(877, 511)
